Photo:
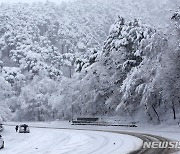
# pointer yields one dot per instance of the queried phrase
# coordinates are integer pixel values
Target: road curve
(150, 138)
(142, 136)
(147, 138)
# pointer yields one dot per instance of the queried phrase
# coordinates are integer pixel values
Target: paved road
(143, 137)
(150, 138)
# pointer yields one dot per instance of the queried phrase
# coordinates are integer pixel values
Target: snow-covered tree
(34, 104)
(5, 94)
(133, 71)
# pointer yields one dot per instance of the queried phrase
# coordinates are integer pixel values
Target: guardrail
(101, 124)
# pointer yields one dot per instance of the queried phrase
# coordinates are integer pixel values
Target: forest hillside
(96, 58)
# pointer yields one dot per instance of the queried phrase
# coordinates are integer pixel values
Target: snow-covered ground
(165, 130)
(66, 141)
(70, 141)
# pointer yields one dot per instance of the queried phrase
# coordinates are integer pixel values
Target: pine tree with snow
(124, 48)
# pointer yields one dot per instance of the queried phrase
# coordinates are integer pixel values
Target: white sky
(31, 1)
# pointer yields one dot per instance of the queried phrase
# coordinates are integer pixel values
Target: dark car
(24, 129)
(1, 142)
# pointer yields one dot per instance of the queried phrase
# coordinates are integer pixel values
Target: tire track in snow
(149, 138)
(143, 137)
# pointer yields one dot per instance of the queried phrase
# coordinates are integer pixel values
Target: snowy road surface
(59, 141)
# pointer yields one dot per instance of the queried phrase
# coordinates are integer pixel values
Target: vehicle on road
(24, 128)
(1, 142)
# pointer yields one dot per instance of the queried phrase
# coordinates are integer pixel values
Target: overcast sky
(31, 1)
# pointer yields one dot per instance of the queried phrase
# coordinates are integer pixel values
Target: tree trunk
(70, 74)
(174, 111)
(156, 113)
(62, 48)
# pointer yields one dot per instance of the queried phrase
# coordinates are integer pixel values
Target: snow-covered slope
(134, 75)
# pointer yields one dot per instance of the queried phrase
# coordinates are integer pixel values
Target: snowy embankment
(60, 141)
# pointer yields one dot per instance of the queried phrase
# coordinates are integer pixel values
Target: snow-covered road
(59, 141)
